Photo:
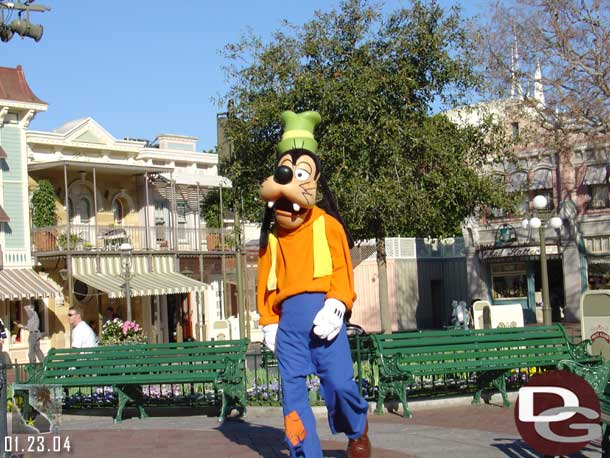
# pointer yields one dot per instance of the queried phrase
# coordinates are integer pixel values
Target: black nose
(283, 175)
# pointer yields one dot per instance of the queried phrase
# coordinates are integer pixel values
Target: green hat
(298, 131)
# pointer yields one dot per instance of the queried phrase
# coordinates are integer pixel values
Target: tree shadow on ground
(518, 448)
(267, 441)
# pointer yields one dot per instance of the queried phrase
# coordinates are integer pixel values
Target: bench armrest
(596, 376)
(32, 374)
(390, 365)
(581, 350)
(233, 372)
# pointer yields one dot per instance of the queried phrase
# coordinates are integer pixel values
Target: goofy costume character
(305, 286)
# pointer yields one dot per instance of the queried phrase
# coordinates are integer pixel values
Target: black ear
(329, 205)
(265, 227)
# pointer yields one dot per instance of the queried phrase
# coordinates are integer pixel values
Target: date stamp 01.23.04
(48, 443)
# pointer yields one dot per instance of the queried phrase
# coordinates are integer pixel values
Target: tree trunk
(382, 268)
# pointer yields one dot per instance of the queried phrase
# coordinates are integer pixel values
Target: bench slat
(152, 361)
(388, 343)
(138, 369)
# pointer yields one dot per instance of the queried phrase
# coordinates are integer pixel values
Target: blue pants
(300, 353)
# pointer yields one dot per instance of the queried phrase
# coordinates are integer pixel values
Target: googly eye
(301, 174)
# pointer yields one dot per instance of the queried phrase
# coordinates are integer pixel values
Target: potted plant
(44, 215)
(75, 241)
(118, 332)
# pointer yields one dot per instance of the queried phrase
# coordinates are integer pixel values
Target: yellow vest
(322, 261)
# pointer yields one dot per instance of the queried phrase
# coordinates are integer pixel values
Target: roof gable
(86, 130)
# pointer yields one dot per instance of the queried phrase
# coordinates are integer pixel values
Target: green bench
(488, 353)
(127, 368)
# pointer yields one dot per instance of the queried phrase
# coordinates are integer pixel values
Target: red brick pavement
(184, 444)
(492, 418)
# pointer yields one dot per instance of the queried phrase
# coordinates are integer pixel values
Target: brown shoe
(360, 447)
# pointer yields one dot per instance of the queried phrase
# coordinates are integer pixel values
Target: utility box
(595, 321)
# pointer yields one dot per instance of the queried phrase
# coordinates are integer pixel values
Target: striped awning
(542, 180)
(595, 174)
(107, 277)
(517, 182)
(23, 284)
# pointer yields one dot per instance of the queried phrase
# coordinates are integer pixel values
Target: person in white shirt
(82, 334)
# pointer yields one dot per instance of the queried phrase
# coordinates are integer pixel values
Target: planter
(213, 241)
(45, 241)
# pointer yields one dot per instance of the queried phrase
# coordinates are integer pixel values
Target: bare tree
(554, 55)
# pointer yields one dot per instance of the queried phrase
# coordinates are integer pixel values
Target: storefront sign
(516, 252)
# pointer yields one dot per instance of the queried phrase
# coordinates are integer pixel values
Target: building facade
(110, 194)
(20, 284)
(503, 256)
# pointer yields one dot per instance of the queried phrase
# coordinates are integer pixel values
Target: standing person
(82, 334)
(305, 286)
(3, 334)
(33, 327)
(109, 315)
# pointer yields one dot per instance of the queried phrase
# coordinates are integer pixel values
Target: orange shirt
(295, 267)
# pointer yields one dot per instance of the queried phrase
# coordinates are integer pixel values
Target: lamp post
(126, 251)
(540, 203)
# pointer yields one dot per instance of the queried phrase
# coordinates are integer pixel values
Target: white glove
(269, 333)
(329, 319)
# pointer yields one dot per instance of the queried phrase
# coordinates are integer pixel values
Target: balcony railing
(110, 238)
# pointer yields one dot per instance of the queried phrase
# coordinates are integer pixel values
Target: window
(509, 281)
(181, 210)
(160, 213)
(514, 130)
(84, 210)
(522, 206)
(496, 212)
(599, 196)
(70, 209)
(82, 292)
(11, 118)
(181, 219)
(161, 218)
(117, 211)
(548, 193)
(542, 185)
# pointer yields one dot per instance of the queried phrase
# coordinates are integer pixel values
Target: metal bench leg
(496, 379)
(402, 394)
(133, 394)
(380, 398)
(500, 384)
(232, 396)
(223, 409)
(122, 401)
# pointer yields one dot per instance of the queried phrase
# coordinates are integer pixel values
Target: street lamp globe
(535, 223)
(540, 202)
(556, 222)
(525, 223)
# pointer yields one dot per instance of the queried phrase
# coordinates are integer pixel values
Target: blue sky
(142, 68)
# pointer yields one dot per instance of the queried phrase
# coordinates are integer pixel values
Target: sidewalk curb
(418, 404)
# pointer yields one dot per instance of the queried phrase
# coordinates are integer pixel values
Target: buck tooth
(296, 207)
